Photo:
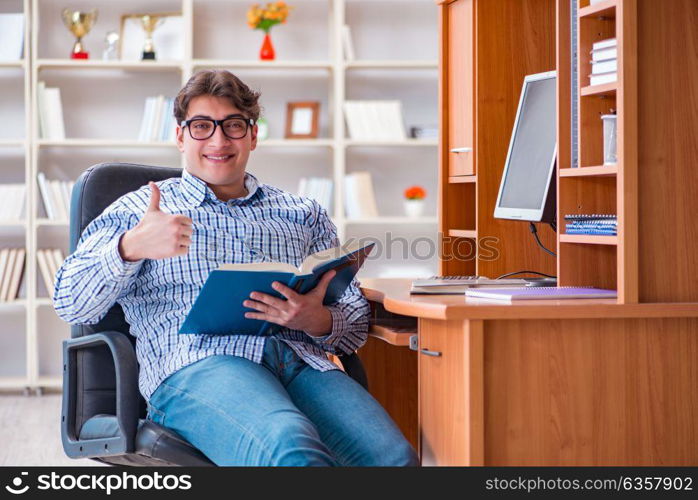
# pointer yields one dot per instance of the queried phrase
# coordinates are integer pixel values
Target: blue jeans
(280, 412)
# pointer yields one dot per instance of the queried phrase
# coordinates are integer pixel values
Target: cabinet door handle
(461, 150)
(430, 353)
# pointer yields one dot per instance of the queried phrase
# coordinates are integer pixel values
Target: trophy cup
(149, 22)
(79, 23)
(110, 52)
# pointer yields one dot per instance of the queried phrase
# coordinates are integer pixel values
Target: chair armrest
(126, 370)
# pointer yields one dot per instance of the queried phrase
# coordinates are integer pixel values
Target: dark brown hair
(217, 83)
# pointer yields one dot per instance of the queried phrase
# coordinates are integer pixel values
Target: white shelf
(102, 143)
(12, 223)
(11, 143)
(296, 143)
(13, 382)
(13, 304)
(51, 222)
(392, 64)
(394, 220)
(405, 143)
(43, 302)
(12, 64)
(252, 64)
(99, 64)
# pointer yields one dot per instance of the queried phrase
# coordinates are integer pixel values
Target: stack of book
(318, 189)
(12, 201)
(359, 197)
(50, 112)
(49, 259)
(11, 271)
(56, 196)
(604, 62)
(600, 224)
(375, 120)
(158, 124)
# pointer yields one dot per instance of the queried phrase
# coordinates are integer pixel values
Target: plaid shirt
(266, 225)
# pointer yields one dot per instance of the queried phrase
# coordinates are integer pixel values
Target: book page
(323, 256)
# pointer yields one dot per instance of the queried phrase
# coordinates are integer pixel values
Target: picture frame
(168, 37)
(302, 120)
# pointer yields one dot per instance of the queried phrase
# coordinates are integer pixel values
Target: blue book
(218, 309)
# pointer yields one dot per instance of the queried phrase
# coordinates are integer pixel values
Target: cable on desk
(534, 231)
(524, 272)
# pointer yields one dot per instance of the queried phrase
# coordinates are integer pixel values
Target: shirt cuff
(113, 266)
(339, 327)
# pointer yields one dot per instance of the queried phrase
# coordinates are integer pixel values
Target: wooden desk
(583, 382)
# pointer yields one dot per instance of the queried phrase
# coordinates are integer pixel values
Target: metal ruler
(574, 160)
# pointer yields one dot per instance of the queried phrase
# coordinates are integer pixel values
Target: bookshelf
(309, 66)
(15, 165)
(650, 186)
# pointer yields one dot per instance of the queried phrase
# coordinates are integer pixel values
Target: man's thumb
(154, 198)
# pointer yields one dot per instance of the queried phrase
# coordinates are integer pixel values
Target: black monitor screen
(527, 173)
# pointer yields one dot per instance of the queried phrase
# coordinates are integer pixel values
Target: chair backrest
(94, 191)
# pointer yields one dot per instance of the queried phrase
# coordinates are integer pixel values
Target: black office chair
(103, 415)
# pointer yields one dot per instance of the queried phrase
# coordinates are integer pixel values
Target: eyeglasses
(234, 127)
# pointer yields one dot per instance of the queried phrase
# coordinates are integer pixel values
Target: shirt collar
(195, 190)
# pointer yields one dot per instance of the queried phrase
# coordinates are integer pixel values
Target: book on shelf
(603, 78)
(219, 309)
(12, 198)
(318, 189)
(11, 36)
(604, 66)
(359, 196)
(55, 195)
(375, 120)
(347, 43)
(50, 111)
(595, 224)
(157, 123)
(604, 44)
(604, 54)
(11, 272)
(49, 260)
(46, 268)
(16, 275)
(540, 293)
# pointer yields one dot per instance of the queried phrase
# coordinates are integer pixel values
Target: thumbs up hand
(158, 235)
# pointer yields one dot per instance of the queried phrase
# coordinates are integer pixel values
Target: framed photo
(302, 120)
(168, 37)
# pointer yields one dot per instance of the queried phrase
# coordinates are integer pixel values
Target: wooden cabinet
(450, 392)
(459, 57)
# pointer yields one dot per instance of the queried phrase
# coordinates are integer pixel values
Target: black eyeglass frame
(248, 121)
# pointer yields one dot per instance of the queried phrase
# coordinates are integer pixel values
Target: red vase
(266, 53)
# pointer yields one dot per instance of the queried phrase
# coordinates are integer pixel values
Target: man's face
(219, 161)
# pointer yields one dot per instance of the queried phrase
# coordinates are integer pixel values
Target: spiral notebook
(541, 293)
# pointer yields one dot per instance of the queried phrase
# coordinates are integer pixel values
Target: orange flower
(415, 193)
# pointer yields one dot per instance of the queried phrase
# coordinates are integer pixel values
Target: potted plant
(414, 201)
(263, 18)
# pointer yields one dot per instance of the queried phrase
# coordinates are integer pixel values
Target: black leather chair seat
(155, 444)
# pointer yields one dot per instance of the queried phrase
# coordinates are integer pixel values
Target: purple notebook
(539, 293)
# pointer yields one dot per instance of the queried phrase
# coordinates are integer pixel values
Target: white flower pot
(414, 208)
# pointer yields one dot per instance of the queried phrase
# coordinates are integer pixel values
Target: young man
(240, 399)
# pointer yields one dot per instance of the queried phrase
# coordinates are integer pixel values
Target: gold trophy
(150, 22)
(79, 23)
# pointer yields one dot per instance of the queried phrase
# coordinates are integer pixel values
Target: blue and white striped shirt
(266, 225)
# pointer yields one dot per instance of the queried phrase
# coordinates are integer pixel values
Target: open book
(218, 309)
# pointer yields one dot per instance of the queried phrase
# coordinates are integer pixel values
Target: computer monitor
(527, 190)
